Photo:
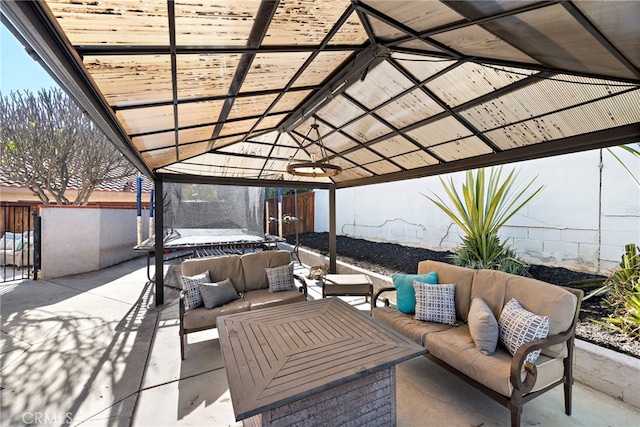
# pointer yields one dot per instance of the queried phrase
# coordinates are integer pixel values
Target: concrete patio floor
(92, 350)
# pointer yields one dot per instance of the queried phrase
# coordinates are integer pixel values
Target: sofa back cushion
(254, 265)
(219, 268)
(544, 299)
(448, 273)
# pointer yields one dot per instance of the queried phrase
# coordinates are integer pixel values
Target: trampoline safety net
(221, 207)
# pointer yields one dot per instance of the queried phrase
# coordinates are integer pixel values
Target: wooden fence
(16, 218)
(304, 211)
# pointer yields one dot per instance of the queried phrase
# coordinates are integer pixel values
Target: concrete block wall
(588, 210)
(78, 239)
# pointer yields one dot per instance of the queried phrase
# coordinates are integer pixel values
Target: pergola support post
(332, 230)
(159, 246)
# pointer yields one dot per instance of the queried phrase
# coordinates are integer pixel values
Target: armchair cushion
(217, 294)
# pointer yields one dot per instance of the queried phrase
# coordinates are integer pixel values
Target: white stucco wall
(581, 220)
(78, 240)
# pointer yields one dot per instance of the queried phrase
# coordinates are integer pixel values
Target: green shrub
(480, 209)
(623, 295)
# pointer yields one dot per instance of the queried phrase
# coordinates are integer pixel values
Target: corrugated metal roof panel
(409, 109)
(471, 80)
(231, 128)
(393, 146)
(227, 22)
(204, 75)
(542, 97)
(442, 130)
(619, 21)
(310, 21)
(421, 66)
(415, 159)
(366, 129)
(461, 149)
(385, 78)
(476, 41)
(338, 142)
(156, 140)
(273, 70)
(339, 111)
(362, 156)
(321, 67)
(555, 37)
(197, 113)
(148, 78)
(124, 22)
(610, 112)
(146, 119)
(352, 32)
(382, 167)
(429, 14)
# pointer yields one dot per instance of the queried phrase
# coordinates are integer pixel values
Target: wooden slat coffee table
(312, 363)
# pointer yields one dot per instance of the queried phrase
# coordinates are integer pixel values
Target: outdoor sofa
(17, 249)
(258, 280)
(469, 341)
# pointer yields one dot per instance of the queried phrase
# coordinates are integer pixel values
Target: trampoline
(202, 220)
(187, 243)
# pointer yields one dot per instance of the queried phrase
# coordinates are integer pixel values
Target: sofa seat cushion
(406, 324)
(457, 349)
(201, 318)
(262, 298)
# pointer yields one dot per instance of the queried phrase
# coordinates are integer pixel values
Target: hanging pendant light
(314, 169)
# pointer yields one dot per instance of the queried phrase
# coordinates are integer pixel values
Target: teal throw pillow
(405, 293)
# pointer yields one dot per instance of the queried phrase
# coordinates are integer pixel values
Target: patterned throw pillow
(519, 326)
(281, 278)
(483, 326)
(435, 303)
(217, 294)
(191, 285)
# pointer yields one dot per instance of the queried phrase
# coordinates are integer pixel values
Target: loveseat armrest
(303, 283)
(519, 362)
(182, 308)
(380, 292)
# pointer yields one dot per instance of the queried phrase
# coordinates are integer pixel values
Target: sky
(18, 71)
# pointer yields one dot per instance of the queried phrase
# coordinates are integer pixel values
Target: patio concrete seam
(188, 377)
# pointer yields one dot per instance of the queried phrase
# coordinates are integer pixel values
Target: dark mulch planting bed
(390, 258)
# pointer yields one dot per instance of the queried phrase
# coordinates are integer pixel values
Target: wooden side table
(347, 285)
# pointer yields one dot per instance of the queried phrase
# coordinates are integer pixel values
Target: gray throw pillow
(281, 278)
(483, 326)
(217, 294)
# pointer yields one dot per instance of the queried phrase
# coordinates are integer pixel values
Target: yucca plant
(624, 295)
(480, 209)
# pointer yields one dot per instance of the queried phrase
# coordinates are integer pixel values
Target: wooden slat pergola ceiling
(224, 91)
